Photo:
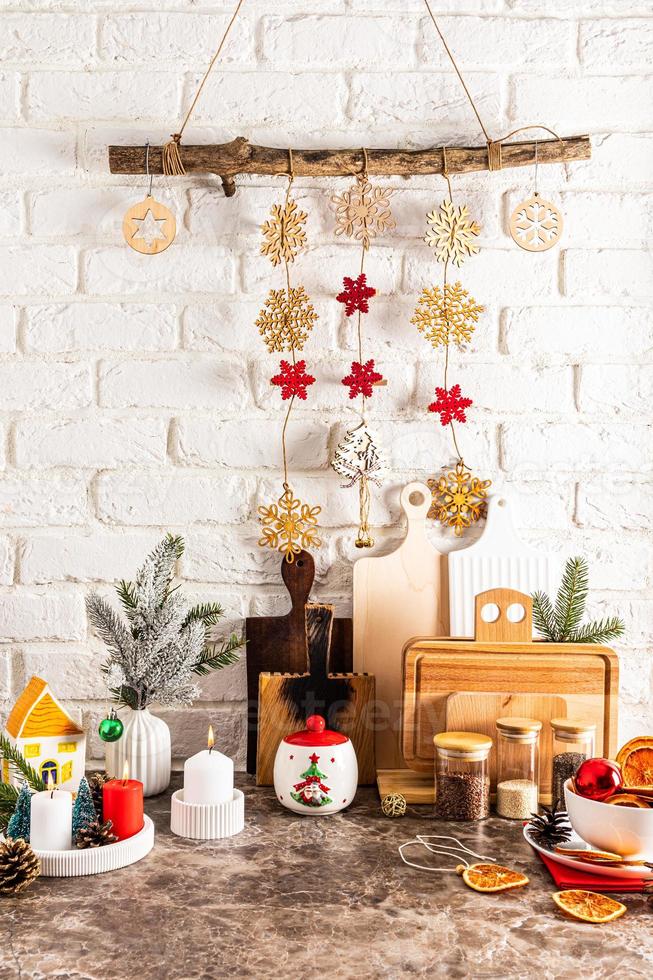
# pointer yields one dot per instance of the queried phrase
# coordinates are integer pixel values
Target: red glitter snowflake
(356, 294)
(361, 379)
(450, 404)
(293, 380)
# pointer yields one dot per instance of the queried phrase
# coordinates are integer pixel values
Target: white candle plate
(97, 860)
(207, 821)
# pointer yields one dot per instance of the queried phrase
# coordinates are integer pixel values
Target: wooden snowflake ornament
(446, 315)
(149, 227)
(286, 319)
(535, 224)
(363, 212)
(283, 233)
(289, 526)
(459, 499)
(451, 233)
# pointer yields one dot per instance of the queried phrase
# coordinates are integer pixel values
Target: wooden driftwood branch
(242, 157)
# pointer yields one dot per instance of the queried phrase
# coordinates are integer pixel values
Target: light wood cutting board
(453, 684)
(396, 597)
(499, 559)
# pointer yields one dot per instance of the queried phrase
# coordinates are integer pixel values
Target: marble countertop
(294, 896)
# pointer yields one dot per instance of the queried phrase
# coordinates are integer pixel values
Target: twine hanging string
(170, 155)
(291, 177)
(493, 146)
(445, 172)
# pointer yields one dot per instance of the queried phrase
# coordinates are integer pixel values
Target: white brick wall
(135, 389)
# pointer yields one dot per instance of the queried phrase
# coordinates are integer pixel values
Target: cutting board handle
(415, 499)
(298, 577)
(500, 627)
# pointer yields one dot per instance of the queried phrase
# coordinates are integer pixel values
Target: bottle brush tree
(163, 643)
(561, 622)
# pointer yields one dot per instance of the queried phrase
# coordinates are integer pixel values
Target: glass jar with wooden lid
(462, 777)
(573, 742)
(518, 766)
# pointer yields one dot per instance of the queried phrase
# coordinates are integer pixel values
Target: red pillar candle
(122, 804)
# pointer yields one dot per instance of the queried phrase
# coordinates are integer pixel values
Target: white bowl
(623, 830)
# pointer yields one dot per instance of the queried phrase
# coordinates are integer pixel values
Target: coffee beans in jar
(573, 743)
(462, 779)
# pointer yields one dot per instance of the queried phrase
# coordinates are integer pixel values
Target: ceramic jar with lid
(315, 770)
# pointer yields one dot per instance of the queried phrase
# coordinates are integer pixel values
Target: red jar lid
(316, 733)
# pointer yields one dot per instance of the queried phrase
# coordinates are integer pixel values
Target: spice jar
(462, 778)
(573, 742)
(518, 767)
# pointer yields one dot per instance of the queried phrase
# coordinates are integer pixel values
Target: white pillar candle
(51, 820)
(208, 776)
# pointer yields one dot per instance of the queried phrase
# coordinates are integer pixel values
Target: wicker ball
(394, 805)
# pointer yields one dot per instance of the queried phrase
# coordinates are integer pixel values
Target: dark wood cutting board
(278, 643)
(345, 701)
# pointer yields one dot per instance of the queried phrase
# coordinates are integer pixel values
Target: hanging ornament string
(285, 322)
(171, 156)
(456, 850)
(448, 316)
(362, 213)
(149, 227)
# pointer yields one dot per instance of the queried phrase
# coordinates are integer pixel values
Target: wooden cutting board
(467, 684)
(286, 700)
(396, 597)
(499, 559)
(279, 642)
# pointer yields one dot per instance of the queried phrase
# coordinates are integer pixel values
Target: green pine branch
(8, 800)
(127, 594)
(214, 658)
(20, 765)
(209, 613)
(600, 632)
(562, 623)
(544, 616)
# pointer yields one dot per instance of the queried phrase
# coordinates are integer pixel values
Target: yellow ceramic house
(50, 740)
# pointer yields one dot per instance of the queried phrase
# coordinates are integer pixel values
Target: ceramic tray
(96, 860)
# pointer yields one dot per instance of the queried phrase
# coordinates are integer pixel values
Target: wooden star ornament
(149, 227)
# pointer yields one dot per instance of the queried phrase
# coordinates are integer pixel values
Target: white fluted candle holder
(207, 821)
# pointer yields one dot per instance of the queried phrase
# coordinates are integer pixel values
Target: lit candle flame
(125, 771)
(210, 740)
(49, 782)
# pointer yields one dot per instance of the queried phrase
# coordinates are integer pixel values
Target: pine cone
(19, 866)
(96, 834)
(96, 781)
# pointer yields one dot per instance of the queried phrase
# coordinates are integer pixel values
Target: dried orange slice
(637, 767)
(642, 741)
(627, 799)
(491, 877)
(586, 854)
(589, 906)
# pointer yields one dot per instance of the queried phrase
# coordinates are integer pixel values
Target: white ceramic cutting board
(397, 597)
(497, 560)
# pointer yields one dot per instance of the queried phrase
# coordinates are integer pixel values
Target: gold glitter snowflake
(289, 525)
(445, 315)
(286, 320)
(283, 233)
(459, 499)
(363, 212)
(452, 233)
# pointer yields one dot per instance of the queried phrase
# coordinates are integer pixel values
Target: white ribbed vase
(145, 743)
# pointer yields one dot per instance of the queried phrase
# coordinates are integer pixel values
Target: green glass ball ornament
(111, 728)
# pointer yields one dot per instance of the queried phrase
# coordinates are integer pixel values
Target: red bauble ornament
(597, 779)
